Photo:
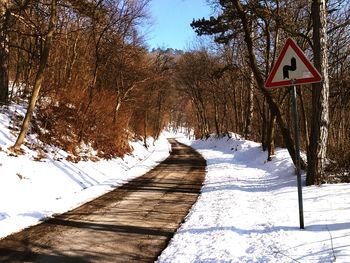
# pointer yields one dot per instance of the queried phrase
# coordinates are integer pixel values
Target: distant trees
(339, 86)
(192, 78)
(217, 91)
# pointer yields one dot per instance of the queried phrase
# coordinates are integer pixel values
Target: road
(133, 223)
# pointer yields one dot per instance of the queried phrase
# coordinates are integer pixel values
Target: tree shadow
(134, 231)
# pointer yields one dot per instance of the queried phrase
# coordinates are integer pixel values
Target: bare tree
(40, 74)
(4, 52)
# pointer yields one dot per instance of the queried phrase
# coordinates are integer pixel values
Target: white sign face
(292, 65)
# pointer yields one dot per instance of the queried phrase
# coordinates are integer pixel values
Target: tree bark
(39, 76)
(305, 122)
(320, 113)
(4, 53)
(250, 109)
(216, 114)
(271, 137)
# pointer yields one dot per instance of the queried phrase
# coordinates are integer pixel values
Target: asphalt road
(133, 223)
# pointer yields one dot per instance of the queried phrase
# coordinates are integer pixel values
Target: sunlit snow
(248, 211)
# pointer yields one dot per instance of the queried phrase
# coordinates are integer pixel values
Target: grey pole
(297, 154)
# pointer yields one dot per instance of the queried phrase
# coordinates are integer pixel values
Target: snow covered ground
(248, 211)
(32, 190)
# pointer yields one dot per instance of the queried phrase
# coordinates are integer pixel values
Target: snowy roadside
(248, 211)
(33, 190)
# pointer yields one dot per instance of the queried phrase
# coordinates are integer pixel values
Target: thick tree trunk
(250, 106)
(39, 76)
(4, 53)
(320, 114)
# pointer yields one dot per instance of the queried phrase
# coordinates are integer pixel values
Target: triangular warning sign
(292, 65)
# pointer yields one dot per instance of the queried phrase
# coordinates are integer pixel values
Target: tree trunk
(39, 76)
(250, 109)
(305, 122)
(216, 114)
(320, 114)
(72, 61)
(145, 129)
(117, 106)
(271, 137)
(4, 53)
(264, 127)
(159, 120)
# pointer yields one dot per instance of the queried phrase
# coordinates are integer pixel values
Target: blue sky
(172, 18)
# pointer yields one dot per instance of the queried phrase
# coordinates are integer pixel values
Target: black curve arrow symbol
(288, 68)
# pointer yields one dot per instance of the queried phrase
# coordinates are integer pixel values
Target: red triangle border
(316, 77)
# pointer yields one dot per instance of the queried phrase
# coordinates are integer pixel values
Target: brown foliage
(60, 123)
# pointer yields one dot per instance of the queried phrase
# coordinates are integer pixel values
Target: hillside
(41, 183)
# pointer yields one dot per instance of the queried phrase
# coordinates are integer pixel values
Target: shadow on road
(130, 224)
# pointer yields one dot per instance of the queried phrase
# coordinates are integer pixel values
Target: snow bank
(33, 190)
(248, 211)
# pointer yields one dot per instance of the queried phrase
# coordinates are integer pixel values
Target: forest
(85, 74)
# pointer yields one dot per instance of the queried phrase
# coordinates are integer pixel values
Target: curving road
(130, 224)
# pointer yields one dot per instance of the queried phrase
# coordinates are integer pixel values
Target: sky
(171, 22)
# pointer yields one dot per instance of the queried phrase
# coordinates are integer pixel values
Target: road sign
(292, 65)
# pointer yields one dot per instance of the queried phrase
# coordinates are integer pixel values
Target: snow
(31, 191)
(248, 211)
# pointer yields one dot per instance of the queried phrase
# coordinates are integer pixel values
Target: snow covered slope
(32, 190)
(248, 211)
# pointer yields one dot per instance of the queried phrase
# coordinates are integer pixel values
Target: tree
(236, 19)
(8, 10)
(40, 74)
(320, 115)
(4, 52)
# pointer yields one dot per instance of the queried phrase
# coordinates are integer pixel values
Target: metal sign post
(297, 153)
(293, 67)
